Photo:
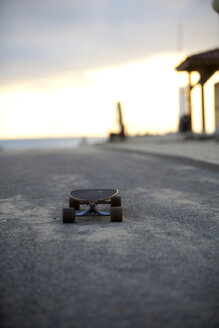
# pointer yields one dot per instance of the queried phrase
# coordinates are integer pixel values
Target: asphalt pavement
(158, 268)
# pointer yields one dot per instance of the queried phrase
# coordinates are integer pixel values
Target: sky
(65, 63)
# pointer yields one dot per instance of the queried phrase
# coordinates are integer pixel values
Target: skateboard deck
(93, 198)
(92, 195)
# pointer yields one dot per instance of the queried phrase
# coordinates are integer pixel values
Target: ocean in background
(49, 143)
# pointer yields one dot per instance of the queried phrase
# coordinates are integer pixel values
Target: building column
(203, 107)
(189, 98)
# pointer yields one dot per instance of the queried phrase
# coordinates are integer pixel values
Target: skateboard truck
(91, 198)
(92, 211)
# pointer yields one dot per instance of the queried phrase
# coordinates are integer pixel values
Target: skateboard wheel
(116, 201)
(74, 203)
(116, 214)
(68, 215)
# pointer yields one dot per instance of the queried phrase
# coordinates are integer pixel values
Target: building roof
(204, 60)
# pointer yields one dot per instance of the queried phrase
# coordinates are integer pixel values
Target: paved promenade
(172, 145)
(158, 268)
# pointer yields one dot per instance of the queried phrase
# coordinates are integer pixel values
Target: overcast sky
(48, 37)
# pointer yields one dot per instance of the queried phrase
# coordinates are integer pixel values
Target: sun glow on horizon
(84, 105)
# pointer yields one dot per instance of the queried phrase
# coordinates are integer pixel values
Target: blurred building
(206, 64)
(216, 92)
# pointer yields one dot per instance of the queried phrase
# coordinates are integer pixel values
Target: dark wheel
(74, 203)
(116, 201)
(116, 214)
(68, 215)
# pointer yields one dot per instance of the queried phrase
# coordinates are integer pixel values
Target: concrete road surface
(159, 268)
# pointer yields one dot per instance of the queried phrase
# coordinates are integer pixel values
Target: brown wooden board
(92, 195)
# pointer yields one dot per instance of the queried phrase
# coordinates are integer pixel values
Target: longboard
(93, 197)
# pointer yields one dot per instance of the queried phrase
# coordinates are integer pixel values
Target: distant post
(122, 128)
(121, 135)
